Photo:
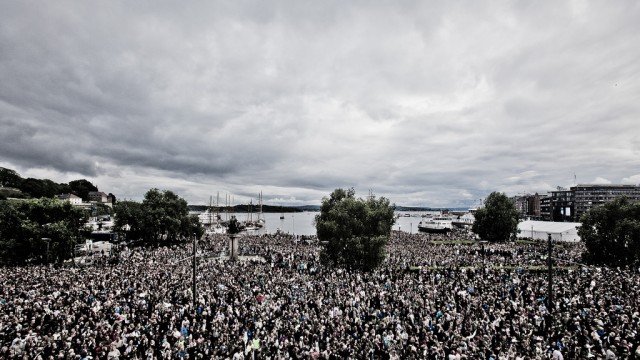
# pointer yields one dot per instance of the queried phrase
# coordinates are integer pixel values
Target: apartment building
(587, 196)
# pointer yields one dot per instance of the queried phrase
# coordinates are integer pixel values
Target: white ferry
(435, 224)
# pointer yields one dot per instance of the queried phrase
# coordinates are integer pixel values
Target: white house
(73, 199)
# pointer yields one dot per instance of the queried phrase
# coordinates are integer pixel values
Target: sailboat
(249, 224)
(211, 221)
(261, 220)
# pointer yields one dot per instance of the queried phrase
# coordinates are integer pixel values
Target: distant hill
(301, 208)
(414, 208)
(255, 208)
(308, 207)
(39, 188)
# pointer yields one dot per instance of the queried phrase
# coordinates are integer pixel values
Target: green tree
(353, 232)
(113, 199)
(162, 215)
(38, 188)
(497, 220)
(82, 188)
(128, 220)
(102, 209)
(611, 233)
(9, 178)
(25, 223)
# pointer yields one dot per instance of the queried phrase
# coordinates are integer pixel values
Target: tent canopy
(540, 230)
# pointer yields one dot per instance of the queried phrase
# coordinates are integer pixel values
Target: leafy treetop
(497, 220)
(611, 233)
(354, 232)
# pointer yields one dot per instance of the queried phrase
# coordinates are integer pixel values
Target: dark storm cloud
(429, 104)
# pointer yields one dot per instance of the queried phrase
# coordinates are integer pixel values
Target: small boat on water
(465, 220)
(438, 224)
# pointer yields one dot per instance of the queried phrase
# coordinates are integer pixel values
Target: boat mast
(218, 207)
(260, 216)
(210, 211)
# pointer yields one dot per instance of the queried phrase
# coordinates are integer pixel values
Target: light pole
(550, 277)
(194, 270)
(48, 240)
(549, 315)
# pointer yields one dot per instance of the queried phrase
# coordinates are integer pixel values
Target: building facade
(528, 206)
(569, 205)
(588, 196)
(533, 207)
(545, 208)
(98, 196)
(521, 205)
(562, 205)
(73, 199)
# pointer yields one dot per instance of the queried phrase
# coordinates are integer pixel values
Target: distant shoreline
(244, 208)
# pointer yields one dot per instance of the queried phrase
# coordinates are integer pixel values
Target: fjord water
(302, 223)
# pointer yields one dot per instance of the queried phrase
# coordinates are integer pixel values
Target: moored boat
(435, 225)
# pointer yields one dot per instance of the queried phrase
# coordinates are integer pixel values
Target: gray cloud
(432, 104)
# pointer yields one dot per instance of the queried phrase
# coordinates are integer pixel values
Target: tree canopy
(25, 223)
(497, 220)
(353, 232)
(82, 188)
(162, 215)
(611, 233)
(9, 178)
(37, 188)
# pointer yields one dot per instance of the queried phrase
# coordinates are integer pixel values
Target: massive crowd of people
(429, 300)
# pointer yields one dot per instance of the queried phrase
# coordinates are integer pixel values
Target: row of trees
(610, 232)
(48, 230)
(354, 232)
(39, 230)
(162, 215)
(43, 188)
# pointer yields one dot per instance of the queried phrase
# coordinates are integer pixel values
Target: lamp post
(549, 315)
(48, 240)
(550, 276)
(482, 243)
(194, 271)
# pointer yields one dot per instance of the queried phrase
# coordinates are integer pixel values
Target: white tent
(540, 230)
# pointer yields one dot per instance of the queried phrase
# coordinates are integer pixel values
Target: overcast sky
(426, 103)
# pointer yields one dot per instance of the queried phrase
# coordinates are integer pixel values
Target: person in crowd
(428, 301)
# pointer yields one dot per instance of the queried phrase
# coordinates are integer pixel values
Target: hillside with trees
(12, 185)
